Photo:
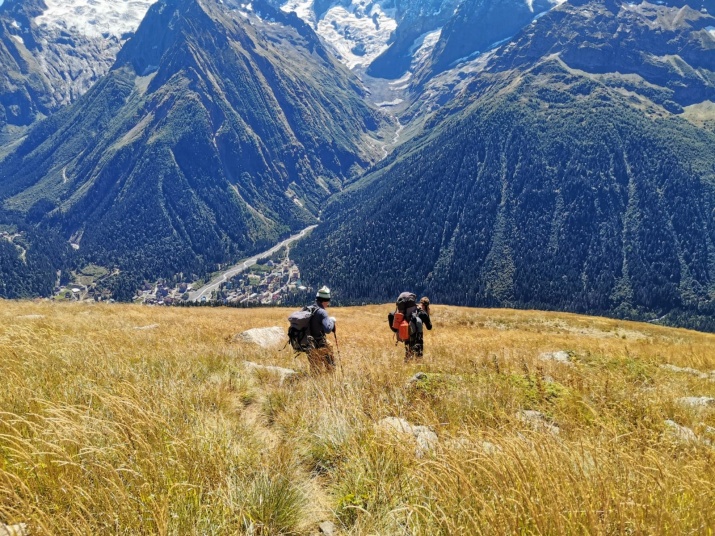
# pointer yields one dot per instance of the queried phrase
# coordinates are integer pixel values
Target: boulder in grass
(681, 433)
(328, 528)
(697, 401)
(426, 439)
(267, 338)
(419, 377)
(559, 357)
(537, 421)
(691, 371)
(14, 530)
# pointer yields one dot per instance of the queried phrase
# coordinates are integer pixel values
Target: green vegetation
(259, 269)
(277, 257)
(30, 259)
(589, 207)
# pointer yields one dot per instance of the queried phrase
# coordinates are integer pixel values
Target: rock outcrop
(263, 337)
(537, 421)
(426, 439)
(560, 357)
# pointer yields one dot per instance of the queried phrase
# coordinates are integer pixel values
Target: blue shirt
(320, 323)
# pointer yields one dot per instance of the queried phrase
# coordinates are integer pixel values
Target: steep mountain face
(52, 51)
(479, 25)
(655, 54)
(573, 169)
(218, 130)
(380, 36)
(419, 26)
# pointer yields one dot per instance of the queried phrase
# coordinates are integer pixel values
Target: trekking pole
(337, 346)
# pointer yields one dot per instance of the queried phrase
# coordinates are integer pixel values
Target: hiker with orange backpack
(408, 323)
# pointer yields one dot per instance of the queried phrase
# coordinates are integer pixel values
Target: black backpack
(299, 330)
(406, 301)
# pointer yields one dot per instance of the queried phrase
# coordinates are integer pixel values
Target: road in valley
(205, 291)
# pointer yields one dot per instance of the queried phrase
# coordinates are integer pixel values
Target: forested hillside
(31, 259)
(544, 187)
(218, 131)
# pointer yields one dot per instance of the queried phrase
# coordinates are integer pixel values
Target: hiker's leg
(419, 345)
(328, 357)
(408, 352)
(322, 359)
(314, 360)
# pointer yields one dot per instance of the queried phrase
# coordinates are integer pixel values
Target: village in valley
(266, 284)
(271, 280)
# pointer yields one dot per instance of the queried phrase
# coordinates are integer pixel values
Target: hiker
(408, 321)
(414, 347)
(308, 330)
(320, 356)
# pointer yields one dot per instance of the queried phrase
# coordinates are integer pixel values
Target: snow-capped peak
(95, 18)
(359, 32)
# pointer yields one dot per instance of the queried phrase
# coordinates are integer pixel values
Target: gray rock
(264, 337)
(426, 439)
(537, 421)
(14, 530)
(420, 376)
(284, 373)
(681, 433)
(146, 328)
(687, 370)
(697, 401)
(559, 357)
(328, 528)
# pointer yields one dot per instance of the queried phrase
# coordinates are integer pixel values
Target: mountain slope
(546, 185)
(216, 132)
(479, 25)
(121, 402)
(52, 51)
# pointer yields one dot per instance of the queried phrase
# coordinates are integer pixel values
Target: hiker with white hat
(321, 357)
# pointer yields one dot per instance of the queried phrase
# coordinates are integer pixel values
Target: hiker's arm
(328, 323)
(426, 320)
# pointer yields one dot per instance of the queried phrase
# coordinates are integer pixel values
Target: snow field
(95, 18)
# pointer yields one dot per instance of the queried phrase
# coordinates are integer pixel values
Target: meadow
(131, 420)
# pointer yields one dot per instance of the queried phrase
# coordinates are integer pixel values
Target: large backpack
(406, 305)
(405, 301)
(299, 330)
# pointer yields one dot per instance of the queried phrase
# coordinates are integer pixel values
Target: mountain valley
(556, 155)
(166, 166)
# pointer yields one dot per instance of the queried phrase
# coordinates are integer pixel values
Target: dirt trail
(317, 499)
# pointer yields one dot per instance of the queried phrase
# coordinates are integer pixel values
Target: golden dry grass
(109, 429)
